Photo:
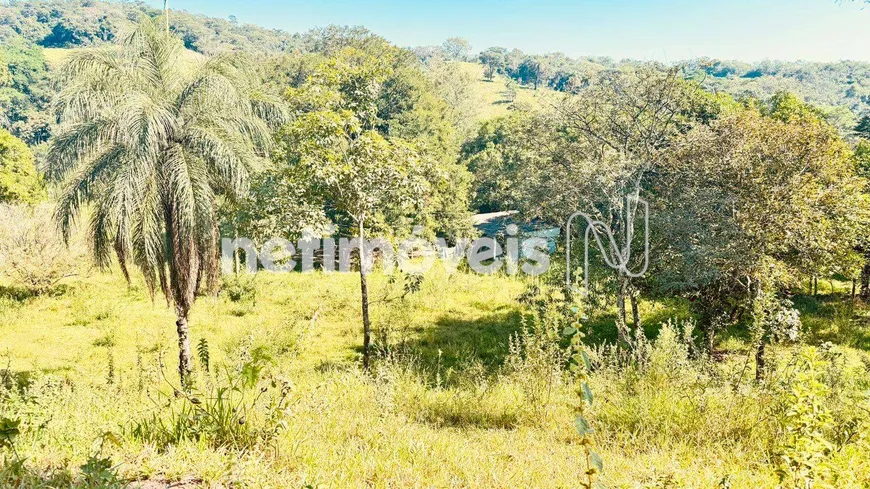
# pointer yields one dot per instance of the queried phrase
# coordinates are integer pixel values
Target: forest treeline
(840, 90)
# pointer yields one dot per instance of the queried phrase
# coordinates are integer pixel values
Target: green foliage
(803, 457)
(240, 409)
(9, 431)
(862, 129)
(203, 353)
(776, 318)
(155, 164)
(494, 60)
(33, 255)
(239, 288)
(24, 90)
(456, 49)
(370, 98)
(101, 473)
(58, 23)
(786, 107)
(19, 180)
(781, 193)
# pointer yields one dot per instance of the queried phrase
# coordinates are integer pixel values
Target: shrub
(537, 359)
(239, 288)
(802, 460)
(668, 395)
(240, 409)
(32, 252)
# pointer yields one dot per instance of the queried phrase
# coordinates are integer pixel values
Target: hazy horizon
(663, 30)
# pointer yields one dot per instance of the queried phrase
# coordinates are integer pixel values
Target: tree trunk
(620, 298)
(184, 357)
(815, 286)
(635, 313)
(364, 291)
(237, 259)
(759, 360)
(621, 326)
(853, 289)
(865, 278)
(710, 335)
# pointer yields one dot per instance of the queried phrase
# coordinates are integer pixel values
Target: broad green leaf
(596, 461)
(586, 360)
(582, 426)
(587, 393)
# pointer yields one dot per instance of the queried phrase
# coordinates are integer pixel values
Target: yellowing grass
(436, 413)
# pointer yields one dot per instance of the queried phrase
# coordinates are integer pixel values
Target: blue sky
(666, 30)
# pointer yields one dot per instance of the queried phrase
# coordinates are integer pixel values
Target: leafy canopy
(19, 180)
(153, 140)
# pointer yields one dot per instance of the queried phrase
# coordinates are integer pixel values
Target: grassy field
(490, 95)
(90, 364)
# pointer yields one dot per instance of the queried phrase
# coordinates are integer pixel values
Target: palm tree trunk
(185, 366)
(166, 13)
(364, 291)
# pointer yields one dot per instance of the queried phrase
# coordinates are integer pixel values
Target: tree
(863, 127)
(357, 173)
(534, 70)
(861, 157)
(455, 86)
(750, 204)
(24, 91)
(384, 89)
(622, 124)
(19, 180)
(589, 154)
(152, 141)
(510, 91)
(370, 148)
(5, 75)
(33, 255)
(494, 60)
(456, 49)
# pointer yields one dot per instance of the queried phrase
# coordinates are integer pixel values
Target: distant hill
(841, 90)
(80, 23)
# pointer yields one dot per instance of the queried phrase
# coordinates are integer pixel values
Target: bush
(665, 394)
(33, 255)
(239, 288)
(239, 410)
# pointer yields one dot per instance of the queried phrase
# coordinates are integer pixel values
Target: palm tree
(152, 139)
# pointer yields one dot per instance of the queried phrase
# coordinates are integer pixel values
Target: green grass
(490, 98)
(438, 411)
